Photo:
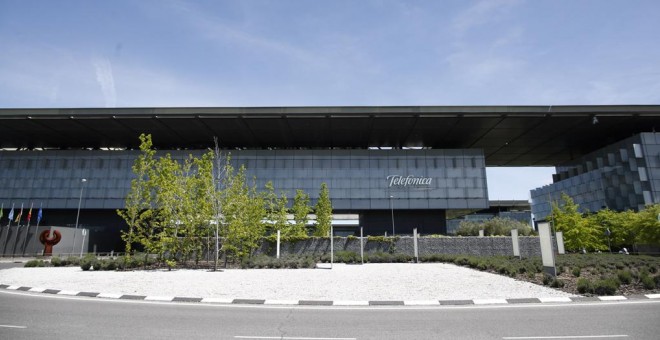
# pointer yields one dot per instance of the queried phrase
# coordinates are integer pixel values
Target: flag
(29, 215)
(18, 218)
(2, 210)
(39, 216)
(11, 214)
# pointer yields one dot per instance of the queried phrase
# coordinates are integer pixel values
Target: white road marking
(555, 299)
(109, 296)
(421, 303)
(567, 337)
(612, 298)
(650, 296)
(12, 326)
(13, 287)
(350, 303)
(37, 290)
(287, 338)
(67, 292)
(281, 302)
(217, 300)
(489, 301)
(159, 298)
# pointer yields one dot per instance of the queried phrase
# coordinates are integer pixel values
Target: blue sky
(295, 53)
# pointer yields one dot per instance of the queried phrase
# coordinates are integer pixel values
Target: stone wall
(483, 246)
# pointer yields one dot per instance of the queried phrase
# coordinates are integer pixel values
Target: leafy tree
(647, 229)
(137, 212)
(301, 210)
(579, 232)
(243, 211)
(323, 212)
(277, 211)
(170, 197)
(197, 202)
(620, 224)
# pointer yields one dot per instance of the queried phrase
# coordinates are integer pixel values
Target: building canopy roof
(508, 135)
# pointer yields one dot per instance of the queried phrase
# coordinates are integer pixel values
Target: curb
(228, 301)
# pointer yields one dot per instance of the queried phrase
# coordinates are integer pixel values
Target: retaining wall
(483, 246)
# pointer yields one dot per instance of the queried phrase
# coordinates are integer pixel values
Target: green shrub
(576, 271)
(87, 262)
(557, 283)
(606, 286)
(72, 261)
(35, 263)
(584, 286)
(547, 279)
(347, 257)
(57, 262)
(400, 258)
(624, 276)
(648, 282)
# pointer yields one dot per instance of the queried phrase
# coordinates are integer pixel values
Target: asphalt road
(40, 316)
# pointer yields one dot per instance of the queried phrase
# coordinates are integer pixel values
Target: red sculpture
(49, 242)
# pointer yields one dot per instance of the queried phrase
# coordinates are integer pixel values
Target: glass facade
(624, 175)
(357, 179)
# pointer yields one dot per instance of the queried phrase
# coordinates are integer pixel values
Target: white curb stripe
(555, 299)
(422, 303)
(281, 302)
(650, 296)
(109, 296)
(612, 298)
(350, 303)
(67, 292)
(159, 298)
(37, 290)
(13, 287)
(489, 301)
(217, 300)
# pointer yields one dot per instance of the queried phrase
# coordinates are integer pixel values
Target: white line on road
(12, 326)
(567, 337)
(287, 338)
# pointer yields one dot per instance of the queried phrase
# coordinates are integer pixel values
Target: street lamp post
(392, 210)
(82, 187)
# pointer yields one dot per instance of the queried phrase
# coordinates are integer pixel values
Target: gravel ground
(426, 281)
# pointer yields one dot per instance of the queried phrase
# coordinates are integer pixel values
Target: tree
(137, 212)
(301, 210)
(647, 229)
(323, 212)
(579, 232)
(243, 211)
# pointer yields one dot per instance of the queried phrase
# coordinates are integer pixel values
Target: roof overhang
(509, 135)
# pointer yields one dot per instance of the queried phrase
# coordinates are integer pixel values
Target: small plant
(584, 286)
(35, 263)
(624, 276)
(547, 279)
(648, 282)
(170, 264)
(557, 283)
(576, 271)
(87, 262)
(72, 261)
(606, 286)
(57, 262)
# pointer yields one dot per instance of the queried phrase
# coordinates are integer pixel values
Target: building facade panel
(420, 180)
(621, 176)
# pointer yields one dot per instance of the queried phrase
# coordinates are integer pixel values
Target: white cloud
(482, 12)
(105, 79)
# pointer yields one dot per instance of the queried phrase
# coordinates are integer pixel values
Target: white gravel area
(368, 282)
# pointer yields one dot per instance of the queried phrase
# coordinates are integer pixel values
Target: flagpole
(39, 215)
(10, 216)
(27, 228)
(18, 229)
